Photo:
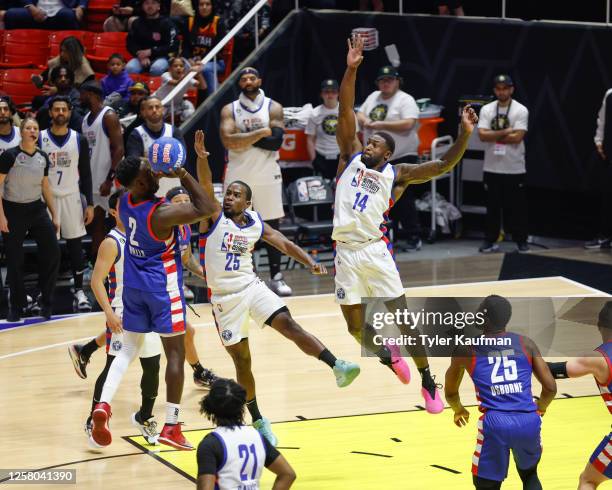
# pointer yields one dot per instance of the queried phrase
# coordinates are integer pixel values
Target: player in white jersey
(10, 136)
(252, 129)
(234, 455)
(69, 177)
(109, 267)
(238, 295)
(367, 186)
(102, 129)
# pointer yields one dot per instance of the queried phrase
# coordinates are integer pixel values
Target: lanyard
(507, 112)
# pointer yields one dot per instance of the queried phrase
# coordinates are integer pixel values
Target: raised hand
(198, 145)
(469, 119)
(354, 56)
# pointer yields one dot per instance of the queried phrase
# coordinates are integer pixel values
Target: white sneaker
(188, 293)
(148, 429)
(82, 301)
(279, 286)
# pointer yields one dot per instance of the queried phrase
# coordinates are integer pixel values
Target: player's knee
(190, 331)
(484, 484)
(353, 328)
(585, 479)
(240, 356)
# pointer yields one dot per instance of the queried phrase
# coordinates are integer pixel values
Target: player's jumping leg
(149, 383)
(530, 478)
(201, 376)
(282, 322)
(171, 435)
(591, 478)
(241, 355)
(80, 354)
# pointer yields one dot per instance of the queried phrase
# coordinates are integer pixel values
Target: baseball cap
(329, 84)
(387, 72)
(139, 86)
(92, 86)
(503, 78)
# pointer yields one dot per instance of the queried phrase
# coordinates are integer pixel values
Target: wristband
(558, 369)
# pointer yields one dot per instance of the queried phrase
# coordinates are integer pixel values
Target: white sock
(131, 346)
(172, 413)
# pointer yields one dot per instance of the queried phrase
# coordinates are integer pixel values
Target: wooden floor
(44, 405)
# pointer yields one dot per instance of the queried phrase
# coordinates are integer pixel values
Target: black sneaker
(413, 245)
(80, 364)
(597, 244)
(205, 379)
(13, 316)
(488, 248)
(522, 248)
(45, 311)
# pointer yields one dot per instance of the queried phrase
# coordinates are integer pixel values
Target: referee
(24, 170)
(234, 455)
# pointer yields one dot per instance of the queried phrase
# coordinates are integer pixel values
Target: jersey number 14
(360, 202)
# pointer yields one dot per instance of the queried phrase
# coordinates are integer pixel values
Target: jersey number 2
(243, 452)
(360, 202)
(132, 226)
(509, 367)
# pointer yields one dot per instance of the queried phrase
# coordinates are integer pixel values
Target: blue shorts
(601, 458)
(145, 311)
(500, 432)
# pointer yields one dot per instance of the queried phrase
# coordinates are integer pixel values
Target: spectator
(244, 41)
(603, 145)
(321, 132)
(122, 18)
(102, 129)
(143, 136)
(139, 121)
(445, 6)
(392, 110)
(72, 55)
(151, 40)
(502, 127)
(9, 136)
(61, 82)
(137, 92)
(117, 80)
(22, 211)
(56, 15)
(205, 30)
(183, 109)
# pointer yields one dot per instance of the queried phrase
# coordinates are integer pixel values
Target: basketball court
(371, 435)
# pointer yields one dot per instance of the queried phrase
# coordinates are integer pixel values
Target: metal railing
(211, 56)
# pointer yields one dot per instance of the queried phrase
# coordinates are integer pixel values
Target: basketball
(166, 155)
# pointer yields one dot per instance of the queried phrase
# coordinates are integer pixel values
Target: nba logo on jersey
(356, 182)
(234, 243)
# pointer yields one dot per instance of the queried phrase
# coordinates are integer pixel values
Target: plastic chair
(152, 82)
(17, 84)
(311, 192)
(56, 38)
(105, 44)
(97, 12)
(25, 47)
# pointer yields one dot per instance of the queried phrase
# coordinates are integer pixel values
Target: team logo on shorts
(117, 345)
(227, 335)
(379, 113)
(329, 124)
(340, 294)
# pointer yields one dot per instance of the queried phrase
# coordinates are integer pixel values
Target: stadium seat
(17, 84)
(25, 47)
(152, 82)
(105, 44)
(56, 38)
(97, 12)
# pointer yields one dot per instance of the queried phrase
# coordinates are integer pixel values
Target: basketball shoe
(148, 428)
(264, 427)
(171, 435)
(100, 431)
(431, 395)
(345, 372)
(398, 364)
(80, 364)
(205, 379)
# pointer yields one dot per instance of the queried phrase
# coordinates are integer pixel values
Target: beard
(369, 161)
(250, 91)
(59, 121)
(5, 120)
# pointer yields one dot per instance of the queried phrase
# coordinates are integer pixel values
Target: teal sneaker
(264, 427)
(345, 372)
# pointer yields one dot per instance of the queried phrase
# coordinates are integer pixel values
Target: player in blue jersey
(502, 379)
(598, 365)
(152, 295)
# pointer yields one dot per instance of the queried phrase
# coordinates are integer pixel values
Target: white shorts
(69, 210)
(151, 346)
(367, 272)
(101, 201)
(233, 312)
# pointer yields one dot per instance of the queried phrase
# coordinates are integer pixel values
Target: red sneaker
(171, 435)
(399, 365)
(100, 432)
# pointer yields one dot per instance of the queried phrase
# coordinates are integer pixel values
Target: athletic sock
(197, 368)
(88, 349)
(254, 409)
(328, 358)
(172, 413)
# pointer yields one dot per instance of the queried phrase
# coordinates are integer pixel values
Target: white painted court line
(576, 283)
(43, 347)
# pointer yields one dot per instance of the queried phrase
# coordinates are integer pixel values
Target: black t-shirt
(210, 454)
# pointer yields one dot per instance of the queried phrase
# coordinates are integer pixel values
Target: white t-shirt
(400, 106)
(323, 123)
(504, 158)
(166, 88)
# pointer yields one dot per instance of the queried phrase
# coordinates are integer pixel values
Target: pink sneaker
(399, 364)
(432, 405)
(100, 432)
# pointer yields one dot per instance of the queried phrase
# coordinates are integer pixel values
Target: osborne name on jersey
(136, 251)
(366, 180)
(506, 389)
(234, 243)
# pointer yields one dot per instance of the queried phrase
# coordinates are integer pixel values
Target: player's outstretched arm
(454, 375)
(107, 254)
(543, 375)
(418, 173)
(205, 177)
(593, 365)
(346, 129)
(280, 242)
(233, 139)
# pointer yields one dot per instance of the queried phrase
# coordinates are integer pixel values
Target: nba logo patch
(227, 242)
(117, 345)
(226, 335)
(356, 182)
(340, 294)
